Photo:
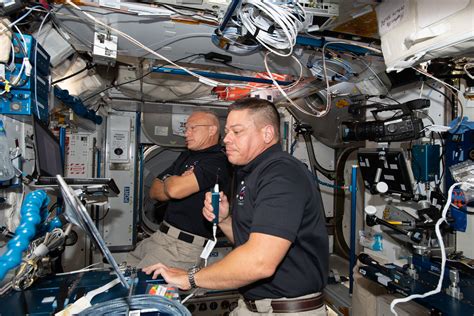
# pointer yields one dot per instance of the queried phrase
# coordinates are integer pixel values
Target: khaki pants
(265, 308)
(165, 249)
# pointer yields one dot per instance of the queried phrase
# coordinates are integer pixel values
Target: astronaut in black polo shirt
(277, 223)
(184, 231)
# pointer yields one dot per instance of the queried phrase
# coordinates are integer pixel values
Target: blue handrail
(33, 212)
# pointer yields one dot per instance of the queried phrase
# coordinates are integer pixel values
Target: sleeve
(170, 169)
(280, 200)
(208, 170)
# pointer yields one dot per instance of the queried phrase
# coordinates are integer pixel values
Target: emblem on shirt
(241, 196)
(191, 166)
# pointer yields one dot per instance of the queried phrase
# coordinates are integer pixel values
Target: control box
(119, 139)
(30, 94)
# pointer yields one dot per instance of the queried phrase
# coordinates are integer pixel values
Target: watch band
(191, 272)
(163, 178)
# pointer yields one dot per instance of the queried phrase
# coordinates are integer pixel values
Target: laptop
(77, 214)
(49, 163)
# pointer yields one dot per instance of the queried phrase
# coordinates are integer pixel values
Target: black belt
(290, 306)
(181, 235)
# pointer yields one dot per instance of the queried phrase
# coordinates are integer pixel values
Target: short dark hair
(265, 110)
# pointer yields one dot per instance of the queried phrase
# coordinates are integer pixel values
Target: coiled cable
(275, 26)
(121, 306)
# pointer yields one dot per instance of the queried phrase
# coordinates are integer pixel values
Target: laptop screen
(48, 151)
(77, 214)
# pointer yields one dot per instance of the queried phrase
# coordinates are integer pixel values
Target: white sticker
(161, 130)
(389, 177)
(161, 290)
(48, 299)
(208, 249)
(2, 71)
(178, 123)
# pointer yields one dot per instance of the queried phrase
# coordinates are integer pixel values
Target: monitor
(77, 214)
(48, 151)
(394, 171)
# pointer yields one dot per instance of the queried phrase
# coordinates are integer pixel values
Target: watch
(191, 272)
(166, 176)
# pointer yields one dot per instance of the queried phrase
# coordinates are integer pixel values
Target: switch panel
(120, 143)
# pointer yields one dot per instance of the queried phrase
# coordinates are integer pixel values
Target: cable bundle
(231, 40)
(337, 69)
(275, 26)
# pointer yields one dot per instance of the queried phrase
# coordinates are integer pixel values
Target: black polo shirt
(277, 195)
(209, 165)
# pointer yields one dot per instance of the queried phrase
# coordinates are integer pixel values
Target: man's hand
(207, 210)
(172, 276)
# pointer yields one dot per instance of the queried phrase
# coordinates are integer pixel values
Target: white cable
(80, 271)
(25, 58)
(202, 79)
(275, 26)
(442, 248)
(328, 93)
(283, 92)
(24, 15)
(436, 79)
(188, 297)
(315, 66)
(466, 67)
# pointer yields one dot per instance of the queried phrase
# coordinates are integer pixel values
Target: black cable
(441, 157)
(232, 66)
(441, 92)
(133, 80)
(116, 86)
(390, 98)
(87, 67)
(103, 216)
(55, 205)
(175, 8)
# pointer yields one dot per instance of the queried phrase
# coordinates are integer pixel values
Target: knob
(381, 187)
(225, 305)
(213, 306)
(370, 210)
(118, 151)
(202, 307)
(15, 106)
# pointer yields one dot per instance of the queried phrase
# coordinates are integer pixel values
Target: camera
(401, 127)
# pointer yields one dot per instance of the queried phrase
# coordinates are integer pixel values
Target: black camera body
(392, 130)
(402, 127)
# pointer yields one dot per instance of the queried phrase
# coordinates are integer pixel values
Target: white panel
(433, 11)
(118, 224)
(79, 155)
(406, 43)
